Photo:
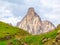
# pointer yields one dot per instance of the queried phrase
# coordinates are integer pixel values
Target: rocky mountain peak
(31, 11)
(33, 23)
(47, 26)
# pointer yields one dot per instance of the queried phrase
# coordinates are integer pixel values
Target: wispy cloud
(6, 13)
(54, 13)
(47, 9)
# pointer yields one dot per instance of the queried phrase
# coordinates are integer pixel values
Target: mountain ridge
(33, 23)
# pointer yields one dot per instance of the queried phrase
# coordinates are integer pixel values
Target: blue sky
(12, 11)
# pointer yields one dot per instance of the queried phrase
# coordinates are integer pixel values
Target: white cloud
(51, 10)
(3, 9)
(13, 20)
(48, 9)
(51, 3)
(6, 14)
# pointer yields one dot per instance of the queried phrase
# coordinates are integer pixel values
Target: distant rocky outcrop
(47, 26)
(33, 23)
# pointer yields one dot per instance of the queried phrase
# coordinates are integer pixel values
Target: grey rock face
(47, 26)
(33, 24)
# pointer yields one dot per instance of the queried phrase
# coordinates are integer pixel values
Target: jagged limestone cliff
(33, 23)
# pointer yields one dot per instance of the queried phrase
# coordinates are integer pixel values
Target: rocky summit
(33, 23)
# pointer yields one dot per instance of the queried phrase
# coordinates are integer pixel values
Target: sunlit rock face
(47, 26)
(33, 24)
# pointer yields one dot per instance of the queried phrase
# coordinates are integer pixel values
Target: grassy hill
(23, 38)
(8, 31)
(50, 38)
(42, 39)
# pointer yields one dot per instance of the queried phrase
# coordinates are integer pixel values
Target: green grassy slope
(42, 39)
(50, 38)
(8, 30)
